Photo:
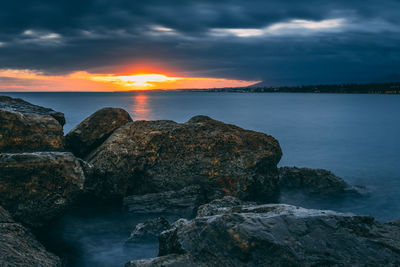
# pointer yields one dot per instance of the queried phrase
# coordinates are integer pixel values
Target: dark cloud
(100, 35)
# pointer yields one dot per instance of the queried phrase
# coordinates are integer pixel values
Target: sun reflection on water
(141, 110)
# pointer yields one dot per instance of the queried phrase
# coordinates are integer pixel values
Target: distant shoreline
(371, 88)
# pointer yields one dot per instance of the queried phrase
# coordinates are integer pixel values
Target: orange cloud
(30, 80)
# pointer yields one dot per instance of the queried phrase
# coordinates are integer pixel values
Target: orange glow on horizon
(137, 81)
(30, 80)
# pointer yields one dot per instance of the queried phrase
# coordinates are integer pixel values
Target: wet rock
(172, 260)
(37, 187)
(313, 181)
(18, 247)
(155, 156)
(91, 132)
(183, 202)
(26, 127)
(215, 206)
(148, 230)
(279, 235)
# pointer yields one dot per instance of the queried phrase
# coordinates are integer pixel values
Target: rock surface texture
(215, 206)
(313, 181)
(156, 156)
(26, 127)
(37, 187)
(19, 248)
(148, 230)
(91, 132)
(278, 235)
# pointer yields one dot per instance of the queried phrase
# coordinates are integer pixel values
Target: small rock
(313, 181)
(92, 132)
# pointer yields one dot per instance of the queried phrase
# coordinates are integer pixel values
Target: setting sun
(139, 81)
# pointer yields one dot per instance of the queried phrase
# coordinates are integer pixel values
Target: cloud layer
(282, 42)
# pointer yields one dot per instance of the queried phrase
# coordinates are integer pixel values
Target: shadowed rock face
(278, 235)
(27, 127)
(155, 156)
(91, 132)
(37, 187)
(18, 247)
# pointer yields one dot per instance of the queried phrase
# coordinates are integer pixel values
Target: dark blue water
(355, 136)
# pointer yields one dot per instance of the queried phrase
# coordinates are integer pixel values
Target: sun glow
(137, 81)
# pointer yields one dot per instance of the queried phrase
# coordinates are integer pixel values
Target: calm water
(355, 136)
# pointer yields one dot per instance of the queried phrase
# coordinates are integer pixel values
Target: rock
(183, 202)
(148, 230)
(5, 216)
(156, 156)
(37, 187)
(18, 247)
(215, 206)
(278, 235)
(313, 181)
(91, 132)
(26, 127)
(172, 260)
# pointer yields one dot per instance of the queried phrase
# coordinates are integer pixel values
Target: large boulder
(313, 181)
(19, 248)
(91, 132)
(155, 156)
(278, 235)
(26, 127)
(37, 187)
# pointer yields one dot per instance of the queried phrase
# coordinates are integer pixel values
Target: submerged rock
(19, 248)
(148, 230)
(313, 181)
(91, 132)
(155, 156)
(278, 235)
(183, 202)
(26, 127)
(37, 187)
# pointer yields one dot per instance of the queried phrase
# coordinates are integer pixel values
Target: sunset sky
(101, 45)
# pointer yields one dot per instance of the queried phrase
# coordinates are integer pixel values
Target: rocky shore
(221, 179)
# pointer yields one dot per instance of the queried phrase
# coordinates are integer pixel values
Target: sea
(356, 136)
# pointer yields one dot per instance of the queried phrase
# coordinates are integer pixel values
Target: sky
(103, 45)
